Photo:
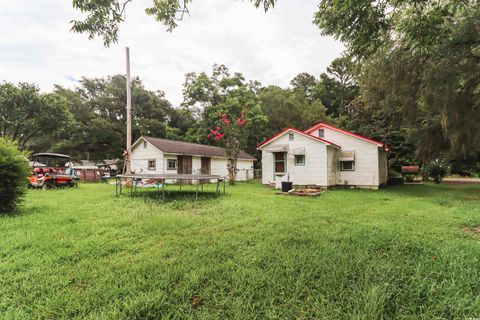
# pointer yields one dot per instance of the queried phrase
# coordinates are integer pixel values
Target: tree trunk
(232, 170)
(424, 171)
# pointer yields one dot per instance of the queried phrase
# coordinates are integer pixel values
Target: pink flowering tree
(232, 133)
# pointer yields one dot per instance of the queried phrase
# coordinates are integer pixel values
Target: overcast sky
(37, 46)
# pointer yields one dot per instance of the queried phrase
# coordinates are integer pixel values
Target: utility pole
(129, 115)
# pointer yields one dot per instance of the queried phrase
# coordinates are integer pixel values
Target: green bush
(14, 172)
(437, 170)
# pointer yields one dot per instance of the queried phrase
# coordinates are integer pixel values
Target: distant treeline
(89, 121)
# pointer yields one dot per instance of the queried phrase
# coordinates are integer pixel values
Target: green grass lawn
(398, 253)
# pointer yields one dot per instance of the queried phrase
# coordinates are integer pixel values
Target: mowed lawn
(398, 253)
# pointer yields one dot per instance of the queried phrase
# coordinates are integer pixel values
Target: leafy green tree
(232, 132)
(208, 96)
(25, 113)
(289, 108)
(305, 83)
(105, 16)
(98, 107)
(337, 88)
(421, 56)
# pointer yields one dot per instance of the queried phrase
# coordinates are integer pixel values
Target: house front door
(184, 167)
(184, 164)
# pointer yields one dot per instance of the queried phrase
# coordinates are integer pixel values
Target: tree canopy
(103, 17)
(25, 112)
(410, 77)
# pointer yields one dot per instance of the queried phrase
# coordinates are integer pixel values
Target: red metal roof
(298, 131)
(188, 148)
(325, 125)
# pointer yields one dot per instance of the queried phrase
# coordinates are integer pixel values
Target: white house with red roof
(324, 155)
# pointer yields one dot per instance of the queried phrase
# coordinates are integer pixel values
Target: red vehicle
(52, 170)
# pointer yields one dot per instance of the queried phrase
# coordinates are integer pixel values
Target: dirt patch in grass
(472, 230)
(472, 195)
(470, 198)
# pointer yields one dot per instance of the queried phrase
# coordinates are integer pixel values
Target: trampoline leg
(196, 192)
(116, 187)
(224, 186)
(163, 190)
(120, 186)
(218, 187)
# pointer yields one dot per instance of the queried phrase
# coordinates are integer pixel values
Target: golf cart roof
(53, 155)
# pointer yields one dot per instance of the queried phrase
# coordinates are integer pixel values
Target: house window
(291, 137)
(280, 165)
(144, 144)
(299, 159)
(171, 164)
(152, 165)
(321, 133)
(347, 165)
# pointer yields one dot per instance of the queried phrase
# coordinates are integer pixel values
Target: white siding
(245, 170)
(140, 157)
(267, 167)
(366, 171)
(313, 172)
(219, 166)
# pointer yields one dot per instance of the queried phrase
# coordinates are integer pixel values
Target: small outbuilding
(87, 170)
(162, 156)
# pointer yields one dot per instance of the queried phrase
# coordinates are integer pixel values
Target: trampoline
(161, 178)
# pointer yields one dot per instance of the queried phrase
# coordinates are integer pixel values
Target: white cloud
(37, 46)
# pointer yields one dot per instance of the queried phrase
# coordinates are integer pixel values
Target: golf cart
(52, 170)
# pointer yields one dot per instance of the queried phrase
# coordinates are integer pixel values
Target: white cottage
(325, 156)
(155, 155)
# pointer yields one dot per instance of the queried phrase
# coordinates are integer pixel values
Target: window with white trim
(347, 165)
(291, 137)
(152, 165)
(299, 159)
(280, 162)
(171, 164)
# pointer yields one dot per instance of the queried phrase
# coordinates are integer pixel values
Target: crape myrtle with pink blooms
(232, 133)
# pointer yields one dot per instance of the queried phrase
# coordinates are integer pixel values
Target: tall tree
(304, 82)
(25, 113)
(232, 132)
(208, 96)
(98, 107)
(289, 108)
(337, 87)
(422, 56)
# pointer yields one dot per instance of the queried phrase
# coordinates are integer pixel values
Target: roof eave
(266, 142)
(329, 126)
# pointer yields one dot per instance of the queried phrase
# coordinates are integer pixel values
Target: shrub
(13, 175)
(437, 170)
